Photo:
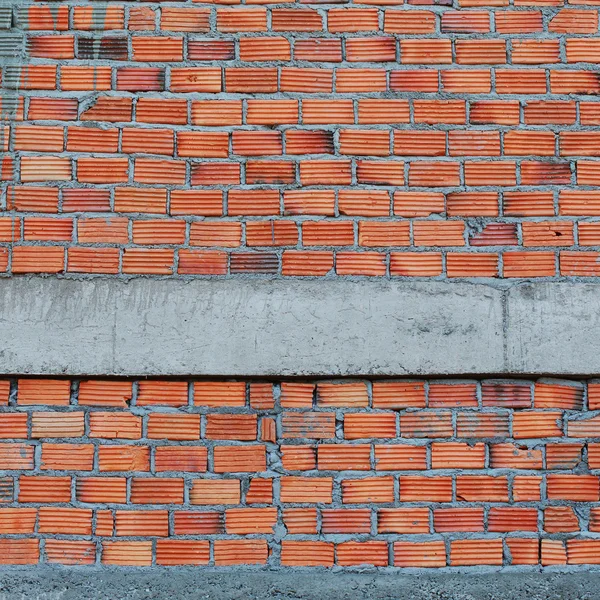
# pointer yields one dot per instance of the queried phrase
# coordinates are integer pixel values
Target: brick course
(385, 473)
(451, 138)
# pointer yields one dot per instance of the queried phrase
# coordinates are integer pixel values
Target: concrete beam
(248, 327)
(299, 584)
(258, 327)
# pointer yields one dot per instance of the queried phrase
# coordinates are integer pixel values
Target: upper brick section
(452, 139)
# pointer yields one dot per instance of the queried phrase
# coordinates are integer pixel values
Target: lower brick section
(384, 473)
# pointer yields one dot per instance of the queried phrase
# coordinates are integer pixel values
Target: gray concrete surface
(110, 584)
(261, 327)
(553, 328)
(247, 327)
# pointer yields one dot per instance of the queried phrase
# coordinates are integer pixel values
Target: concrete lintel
(248, 327)
(299, 584)
(258, 327)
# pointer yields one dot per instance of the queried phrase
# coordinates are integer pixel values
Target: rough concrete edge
(239, 582)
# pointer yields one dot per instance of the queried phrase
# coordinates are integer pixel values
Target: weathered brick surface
(451, 138)
(383, 473)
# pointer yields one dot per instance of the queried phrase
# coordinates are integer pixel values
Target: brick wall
(393, 138)
(454, 139)
(408, 473)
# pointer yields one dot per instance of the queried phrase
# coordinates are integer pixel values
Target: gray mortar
(300, 584)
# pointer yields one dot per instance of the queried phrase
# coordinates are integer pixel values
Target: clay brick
(403, 520)
(453, 455)
(182, 552)
(424, 424)
(506, 395)
(526, 488)
(170, 393)
(70, 552)
(306, 489)
(361, 425)
(115, 425)
(536, 424)
(57, 425)
(563, 456)
(553, 552)
(104, 393)
(180, 458)
(308, 425)
(506, 519)
(18, 520)
(231, 427)
(146, 523)
(148, 490)
(16, 456)
(372, 552)
(198, 523)
(557, 395)
(13, 425)
(215, 491)
(561, 519)
(300, 520)
(173, 426)
(298, 457)
(399, 457)
(371, 489)
(240, 552)
(19, 551)
(481, 488)
(344, 457)
(524, 551)
(476, 552)
(101, 489)
(457, 519)
(420, 554)
(579, 488)
(482, 425)
(510, 456)
(137, 554)
(123, 458)
(347, 395)
(416, 488)
(307, 554)
(73, 521)
(67, 457)
(236, 459)
(582, 552)
(219, 394)
(44, 489)
(244, 521)
(260, 491)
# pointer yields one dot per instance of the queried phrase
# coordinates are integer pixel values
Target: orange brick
(182, 552)
(420, 554)
(240, 552)
(307, 554)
